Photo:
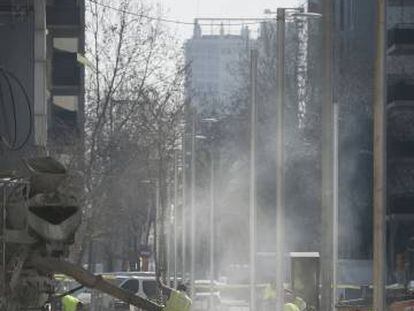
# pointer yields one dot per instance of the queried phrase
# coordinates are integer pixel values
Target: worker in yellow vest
(292, 302)
(178, 300)
(71, 303)
(269, 292)
(289, 299)
(300, 303)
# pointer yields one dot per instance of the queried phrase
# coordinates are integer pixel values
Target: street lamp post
(167, 223)
(156, 228)
(156, 223)
(193, 215)
(184, 209)
(280, 98)
(192, 206)
(252, 195)
(212, 228)
(212, 213)
(280, 200)
(175, 252)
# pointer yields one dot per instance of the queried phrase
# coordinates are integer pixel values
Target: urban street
(194, 155)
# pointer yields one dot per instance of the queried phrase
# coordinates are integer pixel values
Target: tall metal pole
(280, 198)
(327, 247)
(166, 237)
(175, 215)
(212, 228)
(156, 229)
(192, 205)
(335, 213)
(184, 210)
(252, 206)
(379, 183)
(3, 243)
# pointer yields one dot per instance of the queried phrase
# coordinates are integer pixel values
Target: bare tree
(133, 106)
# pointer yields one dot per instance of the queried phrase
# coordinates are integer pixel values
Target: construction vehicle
(38, 221)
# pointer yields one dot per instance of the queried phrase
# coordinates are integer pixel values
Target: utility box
(304, 270)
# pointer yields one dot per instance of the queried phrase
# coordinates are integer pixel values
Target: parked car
(144, 286)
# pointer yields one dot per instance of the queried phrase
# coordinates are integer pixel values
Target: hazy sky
(187, 10)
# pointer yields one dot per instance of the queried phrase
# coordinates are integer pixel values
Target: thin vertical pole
(335, 214)
(3, 241)
(192, 205)
(156, 230)
(212, 229)
(280, 199)
(167, 236)
(379, 184)
(175, 215)
(252, 201)
(184, 210)
(327, 247)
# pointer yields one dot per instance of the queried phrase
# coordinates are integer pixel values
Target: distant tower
(197, 29)
(221, 29)
(211, 55)
(245, 32)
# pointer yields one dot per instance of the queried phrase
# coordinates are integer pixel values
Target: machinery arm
(93, 281)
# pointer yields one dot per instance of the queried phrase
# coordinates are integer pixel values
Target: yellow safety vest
(290, 307)
(300, 303)
(269, 293)
(69, 303)
(178, 301)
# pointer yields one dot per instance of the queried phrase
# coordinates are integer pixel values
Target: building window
(66, 44)
(67, 102)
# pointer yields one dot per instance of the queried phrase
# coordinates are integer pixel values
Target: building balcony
(401, 92)
(400, 115)
(401, 39)
(397, 149)
(400, 125)
(400, 185)
(401, 204)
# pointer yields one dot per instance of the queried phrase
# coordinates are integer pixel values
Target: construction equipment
(39, 217)
(53, 265)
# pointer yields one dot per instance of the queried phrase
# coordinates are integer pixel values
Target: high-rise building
(213, 61)
(354, 72)
(353, 67)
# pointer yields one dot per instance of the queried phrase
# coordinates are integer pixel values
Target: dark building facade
(41, 55)
(353, 93)
(354, 44)
(400, 140)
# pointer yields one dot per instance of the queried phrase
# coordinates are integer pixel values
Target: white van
(144, 286)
